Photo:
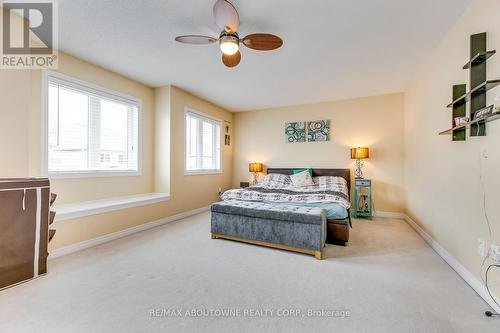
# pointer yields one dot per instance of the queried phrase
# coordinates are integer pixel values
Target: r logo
(29, 34)
(35, 21)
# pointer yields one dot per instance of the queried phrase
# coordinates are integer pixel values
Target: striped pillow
(276, 180)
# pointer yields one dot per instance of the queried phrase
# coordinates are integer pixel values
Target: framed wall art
(318, 130)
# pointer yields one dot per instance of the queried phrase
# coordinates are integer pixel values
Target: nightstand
(363, 202)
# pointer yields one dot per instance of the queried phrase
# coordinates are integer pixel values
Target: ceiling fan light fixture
(229, 44)
(227, 19)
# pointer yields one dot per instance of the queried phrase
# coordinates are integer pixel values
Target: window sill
(92, 174)
(202, 172)
(94, 207)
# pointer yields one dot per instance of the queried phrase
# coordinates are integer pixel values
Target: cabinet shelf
(492, 117)
(479, 58)
(480, 89)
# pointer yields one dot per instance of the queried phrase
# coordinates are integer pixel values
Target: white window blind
(90, 131)
(203, 140)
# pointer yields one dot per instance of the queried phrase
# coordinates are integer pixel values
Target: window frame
(93, 89)
(187, 172)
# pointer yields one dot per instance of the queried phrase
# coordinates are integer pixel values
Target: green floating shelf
(480, 89)
(479, 58)
(491, 117)
(468, 103)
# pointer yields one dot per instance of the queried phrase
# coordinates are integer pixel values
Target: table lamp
(359, 154)
(255, 168)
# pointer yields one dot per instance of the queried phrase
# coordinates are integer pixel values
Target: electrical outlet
(495, 253)
(220, 191)
(485, 154)
(481, 247)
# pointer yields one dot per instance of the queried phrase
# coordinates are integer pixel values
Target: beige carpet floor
(386, 280)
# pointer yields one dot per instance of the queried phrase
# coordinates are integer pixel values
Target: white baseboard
(122, 233)
(392, 215)
(468, 277)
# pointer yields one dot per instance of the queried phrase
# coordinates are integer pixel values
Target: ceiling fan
(226, 17)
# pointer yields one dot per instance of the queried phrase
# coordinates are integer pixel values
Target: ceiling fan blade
(231, 60)
(226, 16)
(195, 39)
(262, 42)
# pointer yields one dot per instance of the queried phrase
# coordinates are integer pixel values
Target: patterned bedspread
(333, 190)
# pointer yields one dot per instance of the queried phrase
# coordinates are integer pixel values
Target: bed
(338, 227)
(334, 199)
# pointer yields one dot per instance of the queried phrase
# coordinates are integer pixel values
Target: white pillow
(302, 179)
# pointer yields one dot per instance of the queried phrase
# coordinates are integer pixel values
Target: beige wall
(162, 139)
(444, 190)
(15, 92)
(20, 133)
(205, 187)
(375, 122)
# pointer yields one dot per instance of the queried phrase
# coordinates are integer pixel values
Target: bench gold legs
(317, 254)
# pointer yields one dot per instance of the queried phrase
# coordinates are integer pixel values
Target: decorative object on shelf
(483, 113)
(318, 130)
(295, 131)
(255, 168)
(461, 121)
(479, 113)
(359, 154)
(227, 133)
(363, 198)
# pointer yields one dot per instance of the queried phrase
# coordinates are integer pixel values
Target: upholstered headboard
(344, 173)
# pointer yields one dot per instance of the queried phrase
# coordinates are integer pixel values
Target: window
(203, 153)
(90, 131)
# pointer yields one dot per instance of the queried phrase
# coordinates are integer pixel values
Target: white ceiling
(333, 49)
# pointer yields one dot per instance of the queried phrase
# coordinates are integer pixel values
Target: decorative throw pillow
(276, 180)
(302, 179)
(296, 171)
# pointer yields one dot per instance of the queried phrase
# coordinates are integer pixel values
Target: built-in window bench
(87, 208)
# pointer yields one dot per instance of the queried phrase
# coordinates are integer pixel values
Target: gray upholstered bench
(288, 227)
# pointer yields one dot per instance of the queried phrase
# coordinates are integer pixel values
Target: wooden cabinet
(363, 203)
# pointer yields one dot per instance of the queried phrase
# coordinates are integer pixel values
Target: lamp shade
(360, 153)
(255, 167)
